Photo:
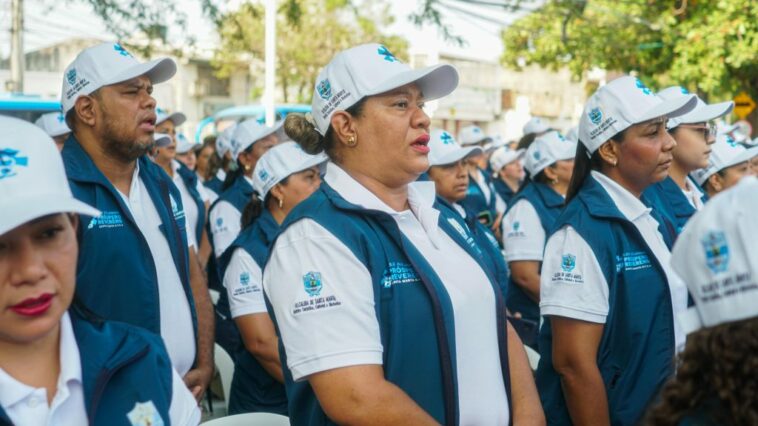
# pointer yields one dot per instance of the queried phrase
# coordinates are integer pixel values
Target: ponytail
(232, 176)
(252, 211)
(584, 163)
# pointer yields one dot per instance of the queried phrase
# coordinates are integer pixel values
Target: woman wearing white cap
(186, 152)
(508, 172)
(678, 195)
(530, 218)
(283, 177)
(729, 162)
(58, 364)
(481, 198)
(715, 379)
(385, 311)
(54, 124)
(607, 290)
(223, 151)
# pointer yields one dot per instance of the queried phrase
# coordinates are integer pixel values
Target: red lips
(34, 306)
(421, 144)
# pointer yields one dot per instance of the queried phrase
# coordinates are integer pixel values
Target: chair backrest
(225, 366)
(533, 356)
(250, 419)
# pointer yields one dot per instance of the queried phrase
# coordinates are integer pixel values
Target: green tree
(708, 46)
(306, 40)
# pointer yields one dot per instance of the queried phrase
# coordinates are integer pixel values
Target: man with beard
(134, 264)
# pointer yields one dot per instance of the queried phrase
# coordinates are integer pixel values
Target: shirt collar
(629, 205)
(248, 180)
(221, 175)
(421, 197)
(175, 166)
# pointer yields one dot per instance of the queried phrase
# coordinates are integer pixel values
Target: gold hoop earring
(352, 141)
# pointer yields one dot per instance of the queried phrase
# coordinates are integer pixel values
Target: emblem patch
(312, 283)
(568, 262)
(9, 161)
(145, 414)
(716, 251)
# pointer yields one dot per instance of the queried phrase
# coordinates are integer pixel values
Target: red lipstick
(34, 306)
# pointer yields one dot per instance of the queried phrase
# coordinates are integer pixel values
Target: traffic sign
(743, 105)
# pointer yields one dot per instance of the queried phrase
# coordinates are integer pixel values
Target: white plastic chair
(225, 366)
(250, 419)
(533, 357)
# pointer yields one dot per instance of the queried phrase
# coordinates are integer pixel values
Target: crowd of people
(372, 269)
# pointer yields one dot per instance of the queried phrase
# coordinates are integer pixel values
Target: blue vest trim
(190, 182)
(668, 199)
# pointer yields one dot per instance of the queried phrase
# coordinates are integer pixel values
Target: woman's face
(188, 158)
(693, 147)
(392, 137)
(250, 157)
(299, 186)
(563, 169)
(165, 154)
(513, 171)
(731, 176)
(450, 180)
(204, 160)
(37, 276)
(644, 156)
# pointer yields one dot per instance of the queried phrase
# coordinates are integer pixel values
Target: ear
(85, 108)
(716, 182)
(343, 126)
(74, 218)
(277, 192)
(550, 173)
(609, 152)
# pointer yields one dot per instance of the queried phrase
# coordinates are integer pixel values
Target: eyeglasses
(708, 130)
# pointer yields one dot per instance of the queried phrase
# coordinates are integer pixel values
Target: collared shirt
(225, 225)
(352, 335)
(589, 302)
(523, 234)
(693, 194)
(243, 281)
(190, 207)
(27, 406)
(176, 319)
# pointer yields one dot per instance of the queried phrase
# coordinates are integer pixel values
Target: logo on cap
(537, 155)
(263, 174)
(312, 283)
(388, 56)
(596, 116)
(642, 87)
(61, 118)
(121, 51)
(71, 76)
(684, 91)
(446, 138)
(324, 89)
(731, 141)
(568, 262)
(9, 160)
(716, 251)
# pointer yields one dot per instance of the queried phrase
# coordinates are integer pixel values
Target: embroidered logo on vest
(399, 273)
(145, 414)
(632, 261)
(108, 219)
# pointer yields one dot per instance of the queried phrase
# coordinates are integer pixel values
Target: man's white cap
(725, 152)
(470, 135)
(715, 255)
(535, 125)
(162, 140)
(504, 156)
(443, 149)
(183, 144)
(224, 140)
(280, 162)
(702, 113)
(622, 103)
(178, 118)
(546, 150)
(371, 69)
(53, 123)
(107, 64)
(33, 181)
(251, 131)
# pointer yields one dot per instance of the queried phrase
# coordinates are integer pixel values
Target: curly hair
(716, 376)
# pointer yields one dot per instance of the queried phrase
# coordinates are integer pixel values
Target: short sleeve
(225, 226)
(523, 234)
(183, 410)
(572, 285)
(323, 301)
(243, 280)
(191, 240)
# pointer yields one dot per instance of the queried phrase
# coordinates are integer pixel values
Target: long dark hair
(254, 208)
(584, 163)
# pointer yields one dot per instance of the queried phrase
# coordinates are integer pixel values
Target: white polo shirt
(190, 208)
(589, 301)
(693, 194)
(523, 235)
(348, 331)
(176, 318)
(243, 281)
(27, 406)
(212, 195)
(225, 224)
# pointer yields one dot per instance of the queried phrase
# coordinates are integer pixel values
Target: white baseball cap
(33, 181)
(702, 113)
(622, 103)
(504, 156)
(443, 149)
(368, 70)
(715, 255)
(251, 131)
(224, 140)
(183, 144)
(107, 64)
(162, 140)
(280, 162)
(470, 135)
(546, 150)
(725, 152)
(53, 123)
(573, 134)
(162, 115)
(535, 125)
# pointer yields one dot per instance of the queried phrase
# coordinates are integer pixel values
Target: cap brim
(434, 82)
(670, 108)
(707, 113)
(26, 209)
(158, 70)
(742, 158)
(178, 118)
(455, 156)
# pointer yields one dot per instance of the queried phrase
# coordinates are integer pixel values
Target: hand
(197, 381)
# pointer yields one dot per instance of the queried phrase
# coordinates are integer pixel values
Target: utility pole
(17, 47)
(270, 79)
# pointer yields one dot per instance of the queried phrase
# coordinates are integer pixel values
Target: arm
(260, 340)
(204, 252)
(527, 409)
(359, 395)
(197, 379)
(575, 345)
(526, 274)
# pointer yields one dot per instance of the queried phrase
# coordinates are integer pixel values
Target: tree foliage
(710, 46)
(308, 35)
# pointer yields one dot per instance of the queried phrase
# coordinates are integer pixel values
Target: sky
(50, 21)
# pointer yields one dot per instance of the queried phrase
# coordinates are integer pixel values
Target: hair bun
(302, 131)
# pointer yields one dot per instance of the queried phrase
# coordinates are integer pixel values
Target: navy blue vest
(116, 274)
(190, 181)
(253, 389)
(121, 366)
(475, 200)
(214, 184)
(548, 204)
(668, 199)
(636, 352)
(420, 359)
(503, 190)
